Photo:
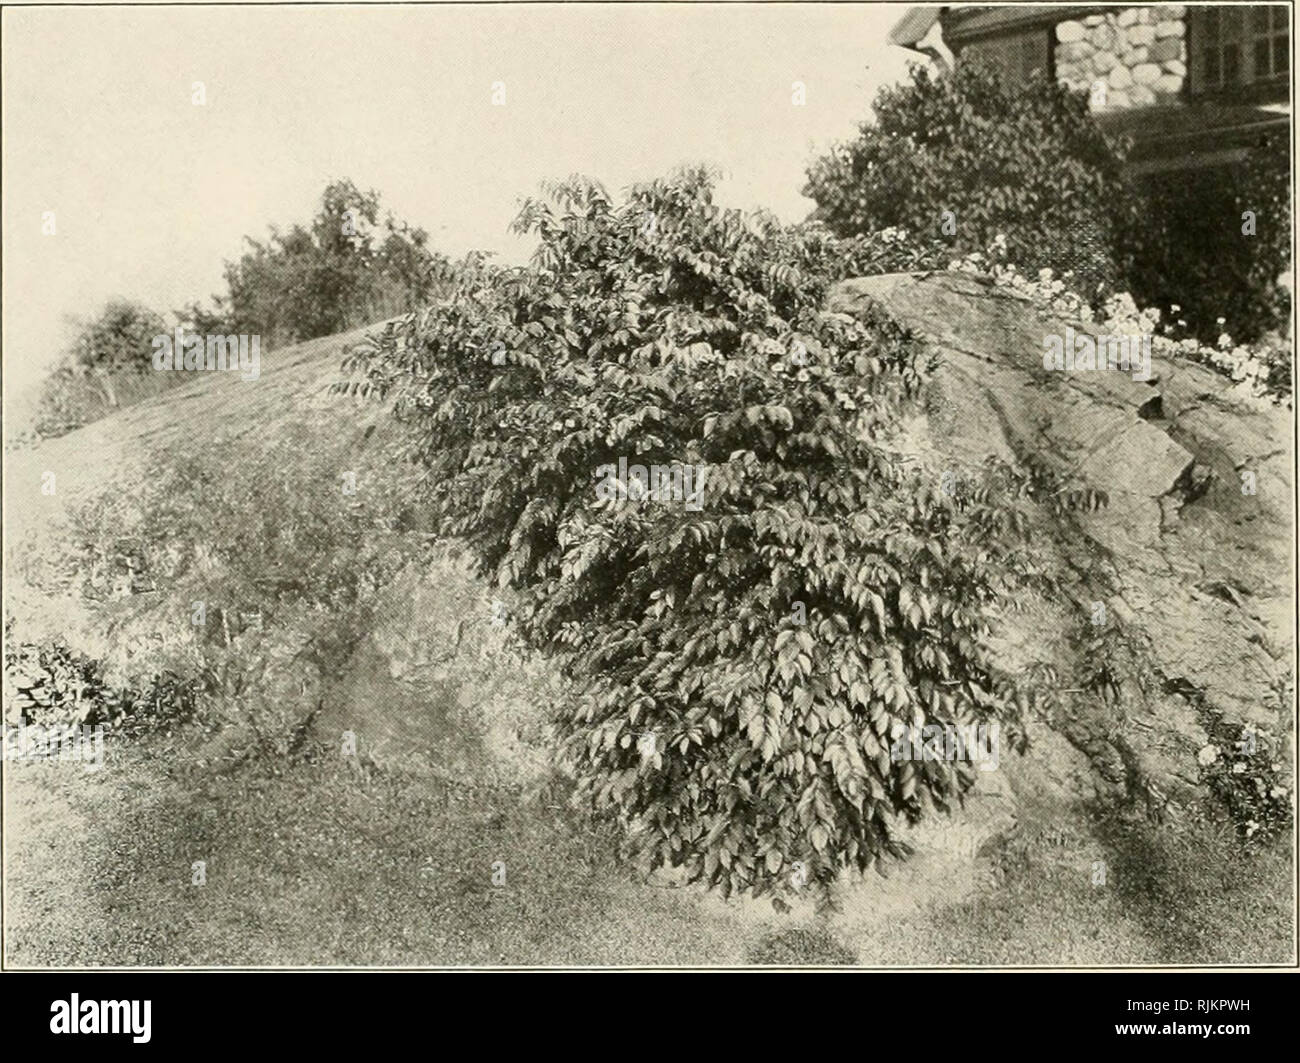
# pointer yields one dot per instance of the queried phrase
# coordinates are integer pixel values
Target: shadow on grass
(801, 946)
(1112, 891)
(1199, 893)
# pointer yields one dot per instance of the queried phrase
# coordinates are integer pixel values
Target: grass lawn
(315, 863)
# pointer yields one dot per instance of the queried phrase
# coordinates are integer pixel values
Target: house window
(1270, 42)
(1235, 47)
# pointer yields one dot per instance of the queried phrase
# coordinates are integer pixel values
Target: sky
(152, 193)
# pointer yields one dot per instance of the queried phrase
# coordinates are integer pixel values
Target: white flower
(1225, 341)
(1123, 304)
(1239, 768)
(1208, 755)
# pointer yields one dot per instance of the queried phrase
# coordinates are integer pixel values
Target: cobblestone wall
(1129, 57)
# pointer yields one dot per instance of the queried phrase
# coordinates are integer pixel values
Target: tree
(120, 339)
(348, 268)
(106, 364)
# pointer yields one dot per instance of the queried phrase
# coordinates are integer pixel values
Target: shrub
(256, 536)
(1193, 252)
(53, 686)
(1027, 162)
(1246, 770)
(775, 641)
(253, 577)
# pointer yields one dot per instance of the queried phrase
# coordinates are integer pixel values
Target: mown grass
(317, 863)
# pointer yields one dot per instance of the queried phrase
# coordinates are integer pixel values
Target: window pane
(1279, 18)
(1212, 67)
(1261, 18)
(1211, 17)
(1261, 59)
(1281, 50)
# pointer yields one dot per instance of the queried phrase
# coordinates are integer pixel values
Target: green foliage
(1245, 769)
(50, 685)
(775, 640)
(1027, 162)
(347, 269)
(1195, 255)
(106, 365)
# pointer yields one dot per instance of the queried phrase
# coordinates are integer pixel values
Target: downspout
(933, 45)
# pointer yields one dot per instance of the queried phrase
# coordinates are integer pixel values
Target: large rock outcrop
(1191, 556)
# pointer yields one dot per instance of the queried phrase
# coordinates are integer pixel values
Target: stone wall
(1127, 57)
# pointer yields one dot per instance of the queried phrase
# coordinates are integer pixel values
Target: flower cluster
(1260, 373)
(1249, 778)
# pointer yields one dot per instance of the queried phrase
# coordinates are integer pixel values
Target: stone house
(1193, 85)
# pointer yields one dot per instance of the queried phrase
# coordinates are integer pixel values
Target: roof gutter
(921, 31)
